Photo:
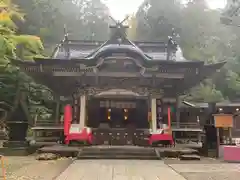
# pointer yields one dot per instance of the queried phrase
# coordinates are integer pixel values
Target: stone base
(17, 148)
(189, 157)
(212, 153)
(21, 151)
(176, 152)
(15, 144)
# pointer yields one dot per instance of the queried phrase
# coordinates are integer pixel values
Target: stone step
(118, 153)
(83, 151)
(118, 156)
(189, 157)
(109, 147)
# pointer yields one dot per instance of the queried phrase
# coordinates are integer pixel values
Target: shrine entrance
(117, 113)
(118, 121)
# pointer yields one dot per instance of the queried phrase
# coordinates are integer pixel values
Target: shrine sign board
(223, 120)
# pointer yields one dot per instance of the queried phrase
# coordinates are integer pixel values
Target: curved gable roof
(108, 50)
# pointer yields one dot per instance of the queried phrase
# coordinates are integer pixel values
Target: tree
(9, 40)
(205, 92)
(156, 19)
(14, 46)
(132, 30)
(201, 35)
(47, 18)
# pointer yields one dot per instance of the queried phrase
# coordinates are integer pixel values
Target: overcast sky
(120, 8)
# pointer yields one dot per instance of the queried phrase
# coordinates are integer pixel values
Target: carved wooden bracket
(141, 91)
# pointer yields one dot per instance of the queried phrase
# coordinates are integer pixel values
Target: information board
(223, 120)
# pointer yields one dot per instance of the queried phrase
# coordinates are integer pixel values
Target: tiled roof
(83, 53)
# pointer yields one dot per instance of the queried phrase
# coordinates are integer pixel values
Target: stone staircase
(118, 152)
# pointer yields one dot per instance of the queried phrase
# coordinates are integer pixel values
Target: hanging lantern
(109, 114)
(125, 112)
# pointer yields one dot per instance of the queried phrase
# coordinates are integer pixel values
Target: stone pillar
(82, 118)
(154, 114)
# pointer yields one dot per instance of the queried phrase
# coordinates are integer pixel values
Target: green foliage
(201, 37)
(14, 46)
(9, 40)
(46, 18)
(205, 92)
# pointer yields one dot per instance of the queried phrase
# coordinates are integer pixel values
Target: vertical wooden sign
(159, 111)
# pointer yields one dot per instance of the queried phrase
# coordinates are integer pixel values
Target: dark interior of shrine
(117, 113)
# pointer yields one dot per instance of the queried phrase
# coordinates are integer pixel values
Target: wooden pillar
(154, 114)
(178, 113)
(169, 117)
(218, 143)
(57, 113)
(82, 111)
(230, 135)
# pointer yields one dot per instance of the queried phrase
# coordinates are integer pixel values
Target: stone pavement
(27, 168)
(219, 171)
(119, 170)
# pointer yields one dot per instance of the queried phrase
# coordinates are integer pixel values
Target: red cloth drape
(67, 118)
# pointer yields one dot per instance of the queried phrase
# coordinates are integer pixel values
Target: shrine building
(118, 92)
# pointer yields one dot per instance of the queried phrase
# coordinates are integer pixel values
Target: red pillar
(169, 117)
(67, 118)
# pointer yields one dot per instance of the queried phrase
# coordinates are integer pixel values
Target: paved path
(119, 170)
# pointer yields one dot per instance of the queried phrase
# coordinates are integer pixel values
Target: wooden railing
(187, 125)
(48, 122)
(47, 131)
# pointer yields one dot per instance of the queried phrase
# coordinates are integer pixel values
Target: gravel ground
(212, 176)
(27, 168)
(202, 161)
(207, 171)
